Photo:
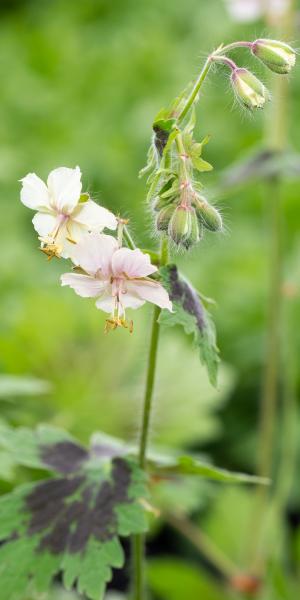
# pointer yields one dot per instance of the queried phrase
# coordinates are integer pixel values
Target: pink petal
(150, 291)
(94, 253)
(94, 217)
(130, 300)
(44, 223)
(106, 302)
(34, 192)
(132, 262)
(84, 285)
(64, 188)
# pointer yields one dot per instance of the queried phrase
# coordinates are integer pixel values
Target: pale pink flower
(251, 10)
(117, 277)
(62, 216)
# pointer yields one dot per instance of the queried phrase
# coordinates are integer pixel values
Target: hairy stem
(225, 60)
(194, 93)
(138, 541)
(128, 238)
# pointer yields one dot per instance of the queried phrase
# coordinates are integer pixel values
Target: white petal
(150, 291)
(94, 253)
(245, 10)
(44, 223)
(64, 188)
(34, 192)
(131, 300)
(106, 302)
(132, 262)
(84, 285)
(94, 217)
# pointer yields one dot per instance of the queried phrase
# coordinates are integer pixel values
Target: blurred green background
(80, 84)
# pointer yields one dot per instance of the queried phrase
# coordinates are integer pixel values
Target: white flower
(117, 277)
(251, 10)
(61, 216)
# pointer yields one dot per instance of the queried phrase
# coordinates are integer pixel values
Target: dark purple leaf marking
(64, 457)
(66, 512)
(180, 291)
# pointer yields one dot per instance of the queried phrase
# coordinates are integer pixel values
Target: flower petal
(106, 302)
(84, 285)
(94, 217)
(44, 223)
(150, 291)
(131, 300)
(64, 186)
(34, 192)
(132, 262)
(94, 252)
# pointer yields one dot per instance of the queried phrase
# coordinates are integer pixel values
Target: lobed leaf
(189, 312)
(70, 523)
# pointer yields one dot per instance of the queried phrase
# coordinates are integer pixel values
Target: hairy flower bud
(277, 56)
(249, 90)
(163, 217)
(180, 225)
(208, 215)
(195, 232)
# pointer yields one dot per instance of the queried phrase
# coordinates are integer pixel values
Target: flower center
(49, 244)
(117, 318)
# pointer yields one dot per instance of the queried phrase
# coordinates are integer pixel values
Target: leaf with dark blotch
(69, 523)
(190, 313)
(263, 164)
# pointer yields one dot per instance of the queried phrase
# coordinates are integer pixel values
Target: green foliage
(72, 522)
(190, 581)
(191, 465)
(190, 313)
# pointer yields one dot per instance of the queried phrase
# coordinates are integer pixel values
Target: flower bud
(277, 56)
(180, 224)
(249, 90)
(195, 232)
(163, 217)
(208, 215)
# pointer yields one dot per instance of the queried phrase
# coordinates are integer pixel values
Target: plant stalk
(138, 541)
(194, 93)
(276, 138)
(203, 543)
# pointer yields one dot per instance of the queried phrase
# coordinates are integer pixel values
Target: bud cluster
(184, 214)
(175, 158)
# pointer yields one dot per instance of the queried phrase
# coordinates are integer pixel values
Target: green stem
(138, 541)
(128, 238)
(276, 135)
(203, 543)
(194, 93)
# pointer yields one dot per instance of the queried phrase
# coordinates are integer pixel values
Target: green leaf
(173, 579)
(7, 465)
(71, 522)
(190, 313)
(201, 165)
(12, 386)
(190, 465)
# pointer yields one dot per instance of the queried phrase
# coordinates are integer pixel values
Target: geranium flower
(251, 10)
(117, 277)
(63, 214)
